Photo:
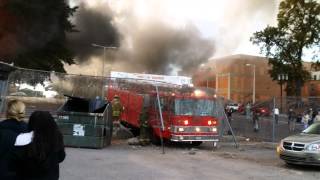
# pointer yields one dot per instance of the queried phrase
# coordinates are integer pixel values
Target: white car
(233, 107)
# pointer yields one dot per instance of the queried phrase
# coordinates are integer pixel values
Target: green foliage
(41, 33)
(298, 30)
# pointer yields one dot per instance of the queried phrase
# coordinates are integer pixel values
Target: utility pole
(253, 83)
(103, 61)
(282, 79)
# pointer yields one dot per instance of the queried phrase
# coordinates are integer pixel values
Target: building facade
(245, 78)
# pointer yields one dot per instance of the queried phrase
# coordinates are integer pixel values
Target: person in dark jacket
(38, 153)
(15, 114)
(9, 130)
(255, 119)
(7, 140)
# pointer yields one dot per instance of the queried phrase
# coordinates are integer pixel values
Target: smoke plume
(160, 49)
(149, 46)
(241, 19)
(151, 35)
(94, 26)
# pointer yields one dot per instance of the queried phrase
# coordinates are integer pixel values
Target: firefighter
(117, 109)
(144, 135)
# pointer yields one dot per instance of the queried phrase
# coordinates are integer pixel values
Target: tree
(39, 32)
(297, 31)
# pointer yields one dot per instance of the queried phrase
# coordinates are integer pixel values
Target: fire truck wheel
(154, 138)
(135, 131)
(196, 143)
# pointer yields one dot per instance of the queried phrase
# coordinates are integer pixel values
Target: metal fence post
(273, 120)
(161, 119)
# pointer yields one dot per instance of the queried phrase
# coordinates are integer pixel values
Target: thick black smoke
(94, 26)
(159, 47)
(151, 46)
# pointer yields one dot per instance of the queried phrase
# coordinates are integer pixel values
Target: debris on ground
(193, 151)
(228, 155)
(133, 141)
(138, 141)
(123, 133)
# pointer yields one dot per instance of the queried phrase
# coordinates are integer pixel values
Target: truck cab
(187, 118)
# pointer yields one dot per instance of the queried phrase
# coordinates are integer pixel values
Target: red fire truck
(188, 113)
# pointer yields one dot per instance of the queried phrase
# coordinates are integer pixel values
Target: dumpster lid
(79, 104)
(76, 98)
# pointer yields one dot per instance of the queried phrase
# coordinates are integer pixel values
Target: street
(121, 161)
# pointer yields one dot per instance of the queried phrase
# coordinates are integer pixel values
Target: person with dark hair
(38, 153)
(255, 119)
(291, 122)
(229, 116)
(276, 113)
(9, 130)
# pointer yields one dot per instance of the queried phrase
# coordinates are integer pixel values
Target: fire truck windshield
(194, 107)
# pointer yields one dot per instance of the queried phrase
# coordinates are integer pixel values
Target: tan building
(234, 77)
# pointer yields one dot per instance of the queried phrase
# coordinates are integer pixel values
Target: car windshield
(196, 107)
(313, 129)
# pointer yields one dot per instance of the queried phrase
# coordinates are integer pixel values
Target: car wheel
(289, 164)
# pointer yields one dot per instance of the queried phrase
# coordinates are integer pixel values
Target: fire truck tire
(154, 138)
(135, 131)
(196, 143)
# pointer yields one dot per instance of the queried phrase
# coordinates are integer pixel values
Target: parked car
(233, 107)
(303, 148)
(263, 111)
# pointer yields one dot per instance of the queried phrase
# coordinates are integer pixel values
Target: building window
(314, 77)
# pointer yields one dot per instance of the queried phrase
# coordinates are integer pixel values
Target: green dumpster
(84, 124)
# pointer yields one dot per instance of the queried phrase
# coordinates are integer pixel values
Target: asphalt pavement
(120, 161)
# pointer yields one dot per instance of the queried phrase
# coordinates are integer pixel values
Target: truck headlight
(214, 129)
(281, 144)
(313, 147)
(180, 129)
(279, 147)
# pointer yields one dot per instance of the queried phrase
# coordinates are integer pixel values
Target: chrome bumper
(183, 138)
(300, 157)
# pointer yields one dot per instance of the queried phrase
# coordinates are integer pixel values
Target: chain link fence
(43, 90)
(273, 127)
